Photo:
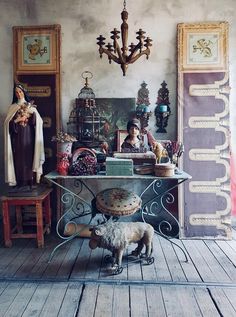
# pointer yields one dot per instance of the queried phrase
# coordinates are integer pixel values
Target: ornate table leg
(156, 210)
(75, 207)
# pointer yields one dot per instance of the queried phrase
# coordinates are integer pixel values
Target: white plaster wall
(84, 20)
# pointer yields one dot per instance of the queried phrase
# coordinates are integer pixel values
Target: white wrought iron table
(157, 199)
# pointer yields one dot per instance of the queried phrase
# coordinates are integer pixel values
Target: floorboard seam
(213, 300)
(80, 299)
(118, 282)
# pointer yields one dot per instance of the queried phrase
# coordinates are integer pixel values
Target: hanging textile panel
(203, 127)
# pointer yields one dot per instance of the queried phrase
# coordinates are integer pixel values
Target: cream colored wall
(83, 20)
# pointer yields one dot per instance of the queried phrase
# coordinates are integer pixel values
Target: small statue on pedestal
(24, 146)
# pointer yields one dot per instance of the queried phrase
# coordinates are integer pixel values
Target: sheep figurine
(116, 236)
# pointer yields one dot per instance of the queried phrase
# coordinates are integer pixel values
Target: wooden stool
(42, 206)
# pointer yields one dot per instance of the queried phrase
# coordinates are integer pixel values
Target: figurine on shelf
(159, 151)
(104, 147)
(24, 144)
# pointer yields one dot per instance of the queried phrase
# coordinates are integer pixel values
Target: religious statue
(23, 142)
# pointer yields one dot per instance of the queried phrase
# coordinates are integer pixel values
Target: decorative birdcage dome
(88, 118)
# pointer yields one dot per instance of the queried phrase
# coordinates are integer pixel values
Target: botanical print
(36, 49)
(203, 48)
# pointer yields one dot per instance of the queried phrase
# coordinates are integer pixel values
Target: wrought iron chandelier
(120, 55)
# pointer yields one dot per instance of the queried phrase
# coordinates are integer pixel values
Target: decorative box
(119, 167)
(145, 169)
(164, 170)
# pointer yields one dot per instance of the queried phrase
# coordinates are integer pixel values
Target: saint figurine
(23, 141)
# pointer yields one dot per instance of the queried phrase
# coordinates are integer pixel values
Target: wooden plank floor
(77, 299)
(77, 282)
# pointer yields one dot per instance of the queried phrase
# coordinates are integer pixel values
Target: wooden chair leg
(6, 224)
(39, 221)
(47, 209)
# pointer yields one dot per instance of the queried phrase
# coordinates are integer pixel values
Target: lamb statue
(116, 236)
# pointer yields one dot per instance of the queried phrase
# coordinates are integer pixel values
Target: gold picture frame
(36, 49)
(121, 135)
(202, 46)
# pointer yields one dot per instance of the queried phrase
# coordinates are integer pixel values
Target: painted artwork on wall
(115, 113)
(36, 48)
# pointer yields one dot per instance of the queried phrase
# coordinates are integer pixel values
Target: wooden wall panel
(40, 74)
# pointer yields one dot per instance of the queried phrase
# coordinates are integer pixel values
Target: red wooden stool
(42, 208)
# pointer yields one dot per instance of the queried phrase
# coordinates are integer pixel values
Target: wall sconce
(120, 54)
(142, 110)
(162, 110)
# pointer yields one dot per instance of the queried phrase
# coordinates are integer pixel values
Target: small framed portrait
(36, 48)
(121, 135)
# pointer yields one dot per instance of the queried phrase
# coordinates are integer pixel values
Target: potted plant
(64, 141)
(64, 146)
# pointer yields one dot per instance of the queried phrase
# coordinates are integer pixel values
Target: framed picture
(121, 135)
(202, 46)
(115, 113)
(36, 49)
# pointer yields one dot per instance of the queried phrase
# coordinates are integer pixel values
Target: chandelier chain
(124, 5)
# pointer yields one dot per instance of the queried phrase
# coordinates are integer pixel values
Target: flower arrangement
(62, 137)
(23, 114)
(64, 146)
(174, 149)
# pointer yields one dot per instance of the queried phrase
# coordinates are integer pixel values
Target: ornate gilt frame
(121, 135)
(202, 46)
(36, 49)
